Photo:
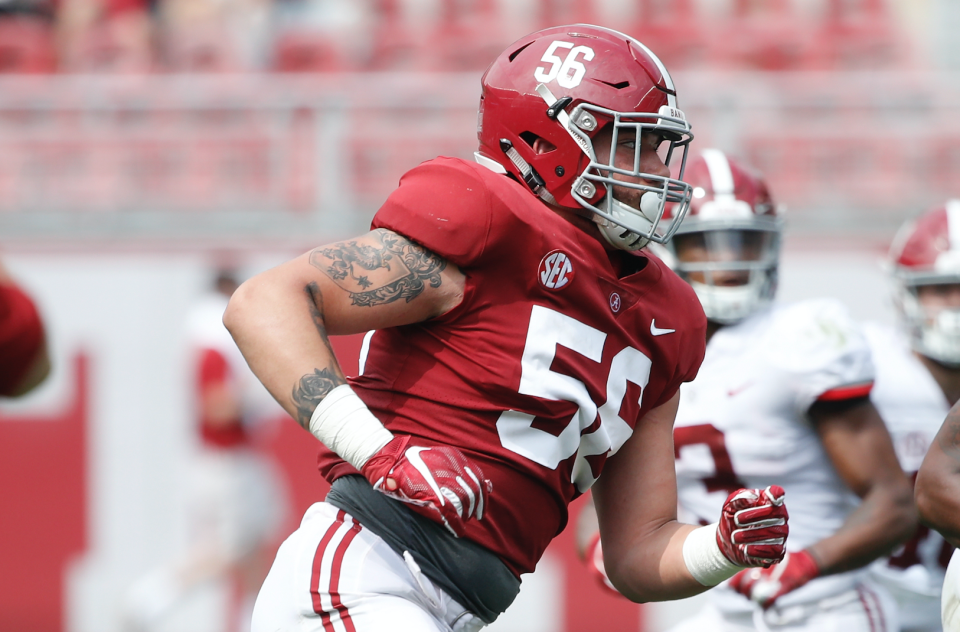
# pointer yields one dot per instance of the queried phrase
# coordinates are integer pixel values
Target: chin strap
(530, 175)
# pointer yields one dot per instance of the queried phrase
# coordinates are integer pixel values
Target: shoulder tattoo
(379, 273)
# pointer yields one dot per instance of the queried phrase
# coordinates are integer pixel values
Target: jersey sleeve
(444, 206)
(691, 334)
(825, 352)
(21, 336)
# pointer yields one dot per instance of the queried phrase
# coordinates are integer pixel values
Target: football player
(782, 399)
(24, 361)
(523, 345)
(924, 382)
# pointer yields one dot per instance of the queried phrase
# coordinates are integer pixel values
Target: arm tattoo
(311, 390)
(949, 435)
(401, 269)
(313, 387)
(315, 303)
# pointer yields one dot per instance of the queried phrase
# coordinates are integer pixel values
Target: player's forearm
(280, 330)
(652, 568)
(885, 518)
(937, 494)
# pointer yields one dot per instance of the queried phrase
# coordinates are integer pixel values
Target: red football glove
(766, 585)
(439, 482)
(753, 527)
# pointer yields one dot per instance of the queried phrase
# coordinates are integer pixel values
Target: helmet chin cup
(631, 229)
(729, 305)
(938, 338)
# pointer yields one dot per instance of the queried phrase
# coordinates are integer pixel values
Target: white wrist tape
(344, 424)
(704, 559)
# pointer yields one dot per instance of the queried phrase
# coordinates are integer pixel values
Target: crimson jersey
(547, 364)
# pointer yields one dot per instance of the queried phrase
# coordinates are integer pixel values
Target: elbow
(628, 588)
(925, 505)
(928, 499)
(903, 512)
(233, 316)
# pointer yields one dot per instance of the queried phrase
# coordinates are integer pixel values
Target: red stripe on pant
(873, 608)
(335, 568)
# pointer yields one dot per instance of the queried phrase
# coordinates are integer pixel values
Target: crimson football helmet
(565, 84)
(926, 251)
(728, 247)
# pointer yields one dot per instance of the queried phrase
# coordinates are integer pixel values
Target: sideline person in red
(523, 343)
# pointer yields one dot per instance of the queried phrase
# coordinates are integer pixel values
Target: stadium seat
(305, 51)
(26, 45)
(673, 30)
(858, 35)
(200, 48)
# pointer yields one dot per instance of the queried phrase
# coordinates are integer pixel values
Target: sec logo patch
(556, 271)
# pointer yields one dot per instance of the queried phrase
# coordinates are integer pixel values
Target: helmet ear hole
(538, 144)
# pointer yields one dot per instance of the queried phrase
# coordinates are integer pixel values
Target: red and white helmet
(926, 251)
(735, 223)
(563, 85)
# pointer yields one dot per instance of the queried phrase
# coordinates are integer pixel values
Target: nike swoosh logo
(414, 458)
(656, 331)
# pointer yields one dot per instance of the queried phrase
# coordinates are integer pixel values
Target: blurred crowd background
(147, 145)
(271, 118)
(146, 36)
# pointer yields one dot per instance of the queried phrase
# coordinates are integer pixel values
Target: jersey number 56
(546, 331)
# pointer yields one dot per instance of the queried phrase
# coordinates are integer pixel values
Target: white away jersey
(913, 407)
(742, 423)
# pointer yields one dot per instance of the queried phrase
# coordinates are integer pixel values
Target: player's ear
(542, 146)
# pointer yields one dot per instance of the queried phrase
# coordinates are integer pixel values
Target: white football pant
(333, 575)
(950, 599)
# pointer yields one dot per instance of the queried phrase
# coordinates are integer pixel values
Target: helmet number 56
(568, 72)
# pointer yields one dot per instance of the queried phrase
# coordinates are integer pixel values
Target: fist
(438, 482)
(753, 527)
(766, 585)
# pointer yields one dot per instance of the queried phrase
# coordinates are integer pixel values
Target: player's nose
(653, 164)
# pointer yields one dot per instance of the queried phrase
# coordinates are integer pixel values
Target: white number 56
(568, 72)
(547, 330)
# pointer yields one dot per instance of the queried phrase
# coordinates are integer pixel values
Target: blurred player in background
(522, 338)
(235, 501)
(917, 381)
(781, 399)
(24, 361)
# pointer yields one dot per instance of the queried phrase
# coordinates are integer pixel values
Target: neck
(948, 378)
(583, 223)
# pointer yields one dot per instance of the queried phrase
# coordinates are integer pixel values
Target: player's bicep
(857, 443)
(380, 279)
(637, 491)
